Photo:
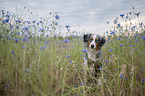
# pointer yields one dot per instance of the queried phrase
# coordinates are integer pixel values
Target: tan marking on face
(97, 46)
(88, 43)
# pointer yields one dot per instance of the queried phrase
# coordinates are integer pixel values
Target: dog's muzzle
(92, 46)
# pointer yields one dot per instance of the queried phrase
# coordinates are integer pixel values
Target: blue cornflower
(7, 36)
(40, 21)
(141, 69)
(143, 80)
(84, 50)
(86, 58)
(137, 14)
(142, 52)
(18, 21)
(13, 52)
(118, 25)
(66, 40)
(25, 39)
(37, 23)
(56, 23)
(23, 47)
(106, 61)
(121, 44)
(26, 28)
(130, 45)
(143, 37)
(122, 15)
(77, 86)
(56, 16)
(6, 20)
(33, 21)
(67, 26)
(28, 22)
(111, 50)
(68, 29)
(17, 27)
(133, 26)
(121, 76)
(106, 31)
(68, 56)
(17, 40)
(112, 32)
(118, 38)
(115, 69)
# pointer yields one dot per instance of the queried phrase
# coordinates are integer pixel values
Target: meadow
(35, 60)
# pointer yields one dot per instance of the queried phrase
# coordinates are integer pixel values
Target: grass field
(50, 65)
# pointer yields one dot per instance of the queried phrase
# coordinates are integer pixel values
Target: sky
(90, 15)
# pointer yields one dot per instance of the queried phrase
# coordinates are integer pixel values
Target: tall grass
(36, 63)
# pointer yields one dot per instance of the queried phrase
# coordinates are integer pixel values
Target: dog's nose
(92, 46)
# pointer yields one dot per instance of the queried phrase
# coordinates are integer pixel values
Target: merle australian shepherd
(94, 55)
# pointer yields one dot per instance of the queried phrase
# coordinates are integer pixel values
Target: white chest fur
(93, 54)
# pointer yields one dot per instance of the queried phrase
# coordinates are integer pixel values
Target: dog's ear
(102, 41)
(86, 37)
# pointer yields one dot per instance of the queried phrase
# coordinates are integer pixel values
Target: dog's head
(94, 41)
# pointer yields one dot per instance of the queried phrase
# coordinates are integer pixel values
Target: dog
(94, 53)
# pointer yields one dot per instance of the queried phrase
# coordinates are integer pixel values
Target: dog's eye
(91, 39)
(96, 41)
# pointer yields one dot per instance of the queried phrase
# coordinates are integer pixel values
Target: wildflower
(101, 67)
(84, 50)
(18, 21)
(26, 28)
(68, 56)
(137, 14)
(17, 27)
(6, 20)
(130, 45)
(142, 52)
(118, 25)
(112, 32)
(40, 21)
(37, 23)
(115, 69)
(25, 39)
(68, 29)
(118, 38)
(77, 86)
(13, 52)
(86, 58)
(122, 15)
(7, 36)
(67, 26)
(121, 44)
(121, 76)
(137, 40)
(111, 50)
(141, 69)
(106, 31)
(56, 23)
(66, 41)
(17, 40)
(143, 80)
(143, 37)
(33, 21)
(28, 22)
(106, 61)
(23, 47)
(57, 17)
